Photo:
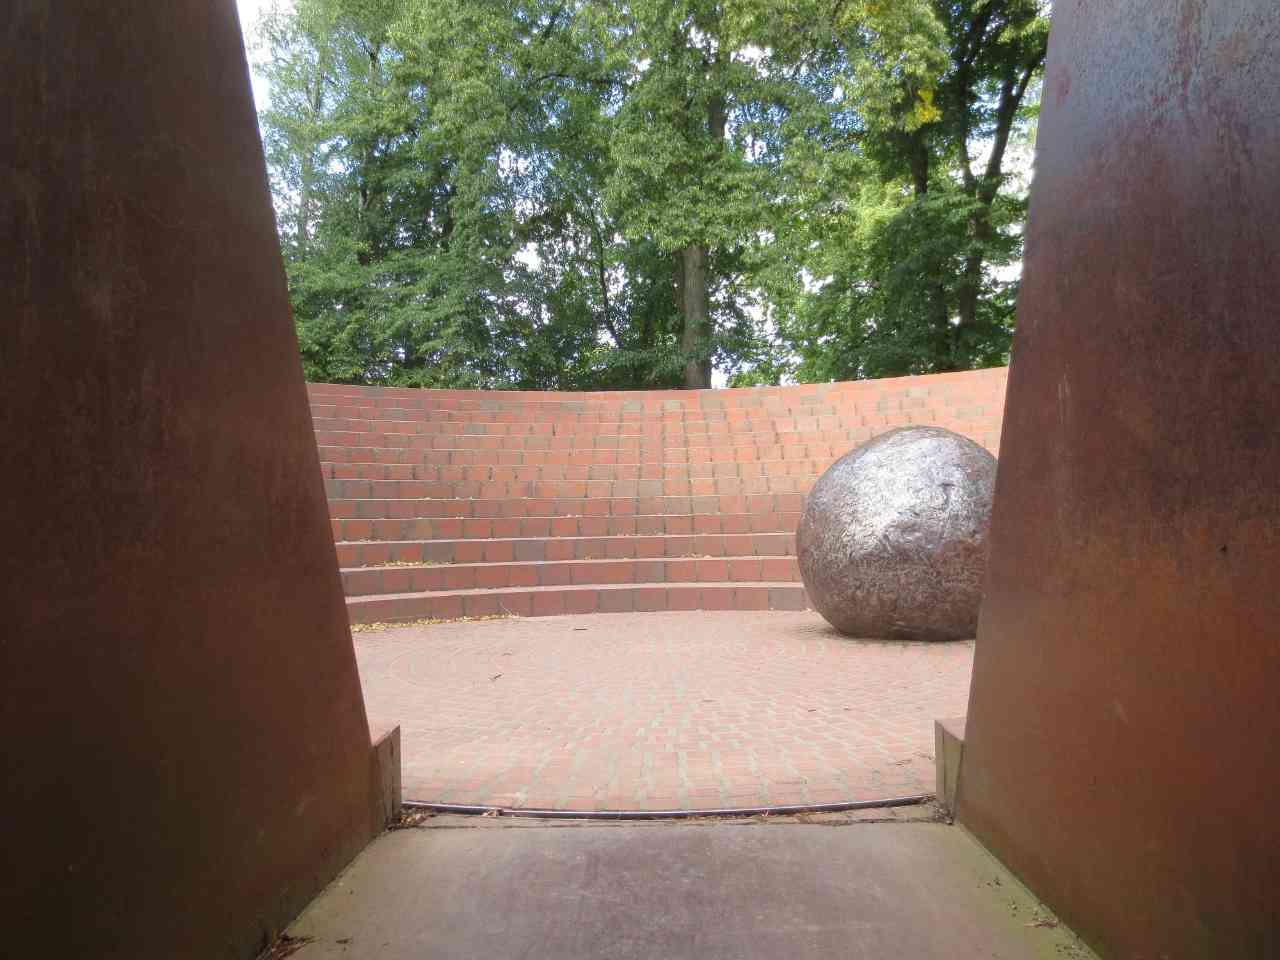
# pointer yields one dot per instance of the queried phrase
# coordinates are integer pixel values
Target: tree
(904, 231)
(580, 194)
(682, 179)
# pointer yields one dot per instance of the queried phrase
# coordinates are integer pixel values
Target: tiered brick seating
(451, 503)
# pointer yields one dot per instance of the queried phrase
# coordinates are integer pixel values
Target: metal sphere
(892, 543)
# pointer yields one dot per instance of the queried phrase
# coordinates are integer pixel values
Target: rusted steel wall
(187, 758)
(1123, 745)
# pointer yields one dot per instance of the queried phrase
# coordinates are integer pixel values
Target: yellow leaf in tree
(924, 110)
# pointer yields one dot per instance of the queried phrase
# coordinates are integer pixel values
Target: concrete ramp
(713, 891)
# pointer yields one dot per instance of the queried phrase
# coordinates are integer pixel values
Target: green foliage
(900, 253)
(585, 194)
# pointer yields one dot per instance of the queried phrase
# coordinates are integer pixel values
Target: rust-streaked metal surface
(187, 758)
(1123, 743)
(892, 543)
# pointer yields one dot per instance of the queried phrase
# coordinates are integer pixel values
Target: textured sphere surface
(892, 543)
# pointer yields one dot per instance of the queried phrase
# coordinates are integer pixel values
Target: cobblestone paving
(659, 710)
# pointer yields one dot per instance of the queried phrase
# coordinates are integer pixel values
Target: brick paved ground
(659, 710)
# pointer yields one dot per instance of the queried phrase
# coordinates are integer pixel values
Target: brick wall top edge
(987, 378)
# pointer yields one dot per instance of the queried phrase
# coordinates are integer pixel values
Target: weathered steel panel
(1123, 737)
(187, 758)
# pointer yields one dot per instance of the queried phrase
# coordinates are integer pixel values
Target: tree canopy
(576, 194)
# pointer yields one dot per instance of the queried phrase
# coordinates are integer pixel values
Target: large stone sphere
(892, 543)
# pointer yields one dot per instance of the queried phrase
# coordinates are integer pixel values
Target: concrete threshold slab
(708, 890)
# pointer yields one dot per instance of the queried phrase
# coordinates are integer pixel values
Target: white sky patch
(1019, 167)
(1018, 162)
(757, 57)
(528, 255)
(703, 41)
(812, 284)
(251, 12)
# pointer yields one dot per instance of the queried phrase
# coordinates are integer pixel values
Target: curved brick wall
(450, 503)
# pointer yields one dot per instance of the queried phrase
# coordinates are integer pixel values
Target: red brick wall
(491, 502)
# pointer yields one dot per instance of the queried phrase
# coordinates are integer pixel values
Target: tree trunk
(695, 306)
(971, 279)
(939, 309)
(692, 290)
(984, 190)
(308, 172)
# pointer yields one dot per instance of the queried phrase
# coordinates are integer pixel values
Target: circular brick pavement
(659, 710)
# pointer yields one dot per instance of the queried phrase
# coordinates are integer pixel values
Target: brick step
(723, 454)
(602, 598)
(533, 549)
(577, 413)
(797, 418)
(543, 473)
(371, 581)
(557, 489)
(492, 403)
(490, 399)
(595, 441)
(588, 438)
(777, 421)
(637, 427)
(565, 507)
(975, 382)
(484, 528)
(584, 417)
